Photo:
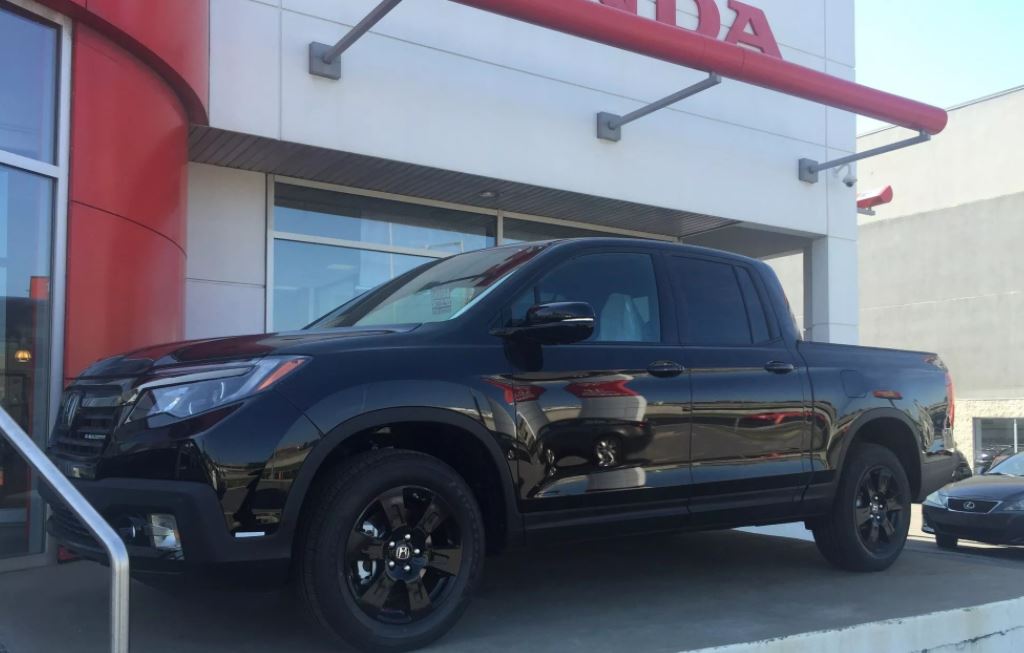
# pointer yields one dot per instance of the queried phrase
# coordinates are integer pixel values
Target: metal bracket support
(809, 168)
(325, 60)
(866, 211)
(609, 125)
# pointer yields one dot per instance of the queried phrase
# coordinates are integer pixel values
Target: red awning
(627, 31)
(873, 198)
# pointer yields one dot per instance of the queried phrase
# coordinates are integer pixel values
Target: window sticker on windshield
(441, 301)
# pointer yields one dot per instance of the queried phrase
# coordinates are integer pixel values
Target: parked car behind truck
(502, 397)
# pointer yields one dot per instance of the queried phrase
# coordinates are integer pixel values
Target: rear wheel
(391, 551)
(870, 517)
(946, 541)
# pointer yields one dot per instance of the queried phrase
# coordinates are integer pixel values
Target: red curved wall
(128, 198)
(139, 78)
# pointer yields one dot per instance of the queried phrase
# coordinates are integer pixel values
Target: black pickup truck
(565, 389)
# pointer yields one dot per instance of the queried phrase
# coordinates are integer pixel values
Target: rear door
(751, 433)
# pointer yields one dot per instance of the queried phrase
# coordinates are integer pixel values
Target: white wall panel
(227, 236)
(420, 105)
(214, 309)
(245, 66)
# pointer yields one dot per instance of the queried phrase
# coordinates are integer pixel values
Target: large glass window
(998, 435)
(521, 231)
(621, 288)
(28, 110)
(28, 86)
(330, 247)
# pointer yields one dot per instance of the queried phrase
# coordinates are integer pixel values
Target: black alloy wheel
(867, 526)
(402, 555)
(878, 510)
(390, 550)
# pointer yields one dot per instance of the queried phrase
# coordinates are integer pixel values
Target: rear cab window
(718, 303)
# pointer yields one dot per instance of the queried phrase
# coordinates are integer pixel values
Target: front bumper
(992, 528)
(207, 548)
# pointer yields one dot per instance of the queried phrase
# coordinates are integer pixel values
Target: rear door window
(717, 303)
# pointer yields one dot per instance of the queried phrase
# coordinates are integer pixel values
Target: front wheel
(391, 551)
(870, 517)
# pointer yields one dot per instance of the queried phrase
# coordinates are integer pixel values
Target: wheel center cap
(403, 552)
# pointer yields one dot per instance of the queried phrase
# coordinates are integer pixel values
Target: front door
(750, 426)
(604, 421)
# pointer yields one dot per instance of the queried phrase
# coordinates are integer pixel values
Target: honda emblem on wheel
(402, 552)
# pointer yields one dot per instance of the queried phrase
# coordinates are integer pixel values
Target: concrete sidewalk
(651, 594)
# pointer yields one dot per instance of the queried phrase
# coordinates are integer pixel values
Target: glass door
(29, 177)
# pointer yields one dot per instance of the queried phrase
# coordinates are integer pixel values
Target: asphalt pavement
(656, 594)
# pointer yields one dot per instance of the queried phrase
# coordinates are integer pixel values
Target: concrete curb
(989, 628)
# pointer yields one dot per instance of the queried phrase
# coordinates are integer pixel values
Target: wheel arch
(895, 431)
(493, 485)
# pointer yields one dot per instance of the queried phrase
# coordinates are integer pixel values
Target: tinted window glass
(711, 309)
(620, 287)
(755, 309)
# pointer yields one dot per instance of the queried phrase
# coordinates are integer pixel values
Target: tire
(358, 574)
(946, 541)
(861, 533)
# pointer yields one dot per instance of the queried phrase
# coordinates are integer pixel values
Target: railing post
(97, 525)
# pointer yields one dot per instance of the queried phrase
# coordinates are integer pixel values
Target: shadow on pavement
(655, 593)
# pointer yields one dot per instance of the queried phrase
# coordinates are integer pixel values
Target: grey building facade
(940, 267)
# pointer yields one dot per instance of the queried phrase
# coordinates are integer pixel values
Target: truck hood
(194, 352)
(986, 486)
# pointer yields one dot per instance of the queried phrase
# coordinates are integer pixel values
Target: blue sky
(943, 52)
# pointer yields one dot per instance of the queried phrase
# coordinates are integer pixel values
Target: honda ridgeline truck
(498, 398)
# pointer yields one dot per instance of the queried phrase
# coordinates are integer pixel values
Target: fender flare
(869, 416)
(326, 445)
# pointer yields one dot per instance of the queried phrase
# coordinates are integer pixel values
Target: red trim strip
(620, 29)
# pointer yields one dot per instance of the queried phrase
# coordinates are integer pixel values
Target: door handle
(779, 367)
(665, 369)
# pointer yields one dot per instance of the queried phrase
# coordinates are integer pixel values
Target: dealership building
(194, 168)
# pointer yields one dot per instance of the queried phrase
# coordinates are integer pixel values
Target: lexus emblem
(402, 552)
(968, 505)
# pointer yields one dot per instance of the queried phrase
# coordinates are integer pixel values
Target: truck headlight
(198, 389)
(937, 500)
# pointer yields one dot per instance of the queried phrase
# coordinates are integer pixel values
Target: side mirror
(559, 323)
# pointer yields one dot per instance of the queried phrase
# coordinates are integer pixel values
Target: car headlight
(198, 389)
(937, 500)
(1014, 505)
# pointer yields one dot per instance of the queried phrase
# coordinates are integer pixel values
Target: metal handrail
(97, 525)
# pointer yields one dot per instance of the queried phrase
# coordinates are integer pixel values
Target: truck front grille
(88, 417)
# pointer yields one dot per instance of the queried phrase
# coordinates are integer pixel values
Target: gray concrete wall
(980, 155)
(941, 266)
(951, 281)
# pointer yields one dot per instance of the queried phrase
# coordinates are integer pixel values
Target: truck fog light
(163, 532)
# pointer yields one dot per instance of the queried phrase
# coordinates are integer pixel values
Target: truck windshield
(433, 292)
